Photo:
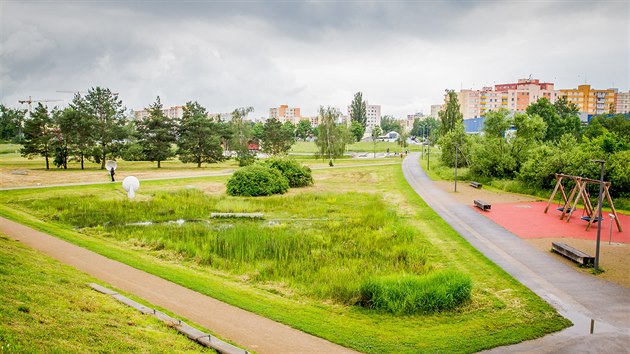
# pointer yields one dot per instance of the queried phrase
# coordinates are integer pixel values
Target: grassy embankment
(500, 312)
(46, 307)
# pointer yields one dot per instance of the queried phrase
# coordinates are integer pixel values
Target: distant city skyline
(225, 55)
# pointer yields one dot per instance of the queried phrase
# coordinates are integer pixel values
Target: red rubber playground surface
(528, 220)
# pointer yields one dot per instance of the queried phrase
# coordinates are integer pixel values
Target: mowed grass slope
(501, 311)
(47, 307)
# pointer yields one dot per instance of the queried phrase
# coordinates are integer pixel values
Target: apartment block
(591, 101)
(373, 116)
(622, 103)
(171, 112)
(435, 109)
(512, 96)
(284, 113)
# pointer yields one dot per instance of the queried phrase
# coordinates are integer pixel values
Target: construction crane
(31, 100)
(82, 92)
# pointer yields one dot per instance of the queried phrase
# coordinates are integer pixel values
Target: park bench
(572, 253)
(475, 184)
(482, 205)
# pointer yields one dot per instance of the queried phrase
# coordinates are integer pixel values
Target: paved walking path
(576, 296)
(244, 328)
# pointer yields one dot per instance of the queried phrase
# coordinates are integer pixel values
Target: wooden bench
(572, 253)
(482, 205)
(475, 184)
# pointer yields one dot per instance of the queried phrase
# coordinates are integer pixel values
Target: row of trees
(532, 146)
(94, 127)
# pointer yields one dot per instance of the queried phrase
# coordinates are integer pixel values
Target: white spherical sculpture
(131, 185)
(110, 164)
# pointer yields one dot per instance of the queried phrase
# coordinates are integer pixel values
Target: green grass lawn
(46, 307)
(501, 311)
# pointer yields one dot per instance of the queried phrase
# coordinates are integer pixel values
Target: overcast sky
(228, 54)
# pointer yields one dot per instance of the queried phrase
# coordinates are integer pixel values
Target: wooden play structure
(580, 192)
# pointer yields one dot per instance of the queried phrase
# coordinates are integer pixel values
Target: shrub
(411, 294)
(298, 175)
(257, 180)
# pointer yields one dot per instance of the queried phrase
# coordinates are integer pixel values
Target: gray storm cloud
(402, 55)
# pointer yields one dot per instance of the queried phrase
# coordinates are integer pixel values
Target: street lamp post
(455, 167)
(599, 211)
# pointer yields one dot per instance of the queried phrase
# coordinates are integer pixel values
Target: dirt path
(248, 330)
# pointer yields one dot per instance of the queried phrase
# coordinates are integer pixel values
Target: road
(578, 297)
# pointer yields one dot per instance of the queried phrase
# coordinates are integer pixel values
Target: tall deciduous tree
(240, 134)
(199, 137)
(389, 124)
(331, 138)
(156, 133)
(38, 137)
(303, 129)
(358, 110)
(357, 131)
(106, 111)
(451, 115)
(560, 117)
(277, 139)
(11, 121)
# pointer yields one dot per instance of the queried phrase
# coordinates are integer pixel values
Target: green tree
(506, 143)
(106, 111)
(156, 133)
(61, 148)
(389, 124)
(376, 132)
(38, 137)
(331, 138)
(289, 129)
(618, 124)
(356, 131)
(358, 110)
(561, 117)
(11, 121)
(455, 138)
(277, 139)
(303, 130)
(77, 128)
(199, 137)
(451, 115)
(240, 134)
(257, 130)
(423, 127)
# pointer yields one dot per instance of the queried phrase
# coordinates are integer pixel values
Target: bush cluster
(257, 180)
(412, 294)
(273, 176)
(297, 174)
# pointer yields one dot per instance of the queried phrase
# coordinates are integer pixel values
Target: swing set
(580, 191)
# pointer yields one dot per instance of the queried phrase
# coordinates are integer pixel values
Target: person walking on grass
(111, 173)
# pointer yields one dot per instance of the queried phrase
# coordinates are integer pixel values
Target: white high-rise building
(373, 116)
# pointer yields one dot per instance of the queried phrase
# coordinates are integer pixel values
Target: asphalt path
(583, 299)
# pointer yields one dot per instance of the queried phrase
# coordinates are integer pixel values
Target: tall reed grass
(323, 245)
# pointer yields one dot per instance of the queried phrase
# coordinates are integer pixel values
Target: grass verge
(47, 307)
